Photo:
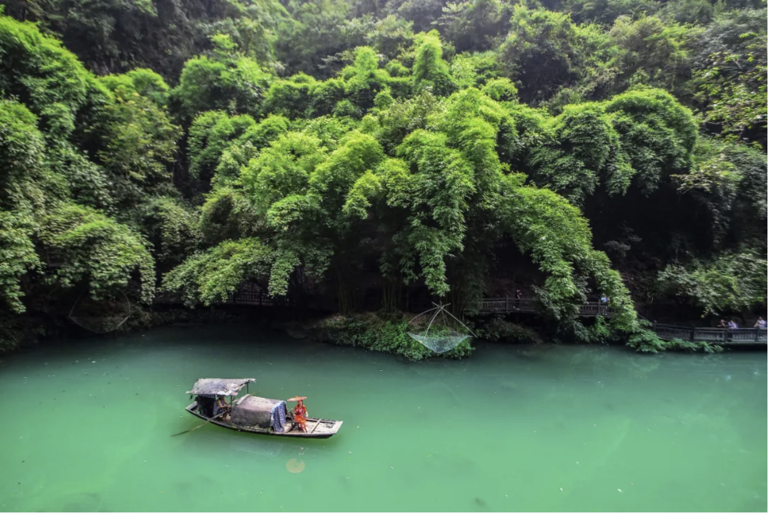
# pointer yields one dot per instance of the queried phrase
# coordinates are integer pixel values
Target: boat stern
(326, 428)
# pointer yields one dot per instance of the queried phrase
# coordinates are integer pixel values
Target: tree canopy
(387, 150)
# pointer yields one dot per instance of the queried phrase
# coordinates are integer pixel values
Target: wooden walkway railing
(744, 336)
(528, 305)
(240, 298)
(252, 298)
(487, 305)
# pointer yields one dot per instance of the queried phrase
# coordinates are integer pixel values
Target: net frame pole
(439, 309)
(457, 320)
(125, 318)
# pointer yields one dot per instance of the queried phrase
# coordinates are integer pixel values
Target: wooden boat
(250, 413)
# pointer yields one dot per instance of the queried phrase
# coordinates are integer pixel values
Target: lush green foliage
(227, 80)
(545, 51)
(647, 342)
(97, 251)
(386, 150)
(81, 157)
(17, 254)
(172, 229)
(731, 282)
(111, 36)
(212, 276)
(599, 332)
(730, 78)
(499, 330)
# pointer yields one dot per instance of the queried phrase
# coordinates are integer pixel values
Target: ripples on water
(87, 427)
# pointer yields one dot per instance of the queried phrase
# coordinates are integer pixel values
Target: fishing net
(100, 316)
(438, 330)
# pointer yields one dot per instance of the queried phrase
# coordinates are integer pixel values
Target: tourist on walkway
(733, 325)
(760, 324)
(722, 324)
(603, 310)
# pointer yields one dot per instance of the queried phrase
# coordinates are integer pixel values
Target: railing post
(693, 334)
(506, 304)
(757, 335)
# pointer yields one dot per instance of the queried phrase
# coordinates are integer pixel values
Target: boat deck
(316, 428)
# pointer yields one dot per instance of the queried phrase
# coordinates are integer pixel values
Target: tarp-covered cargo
(215, 386)
(260, 412)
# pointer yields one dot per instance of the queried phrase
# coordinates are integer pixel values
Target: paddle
(201, 425)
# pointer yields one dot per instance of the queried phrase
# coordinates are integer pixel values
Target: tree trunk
(391, 293)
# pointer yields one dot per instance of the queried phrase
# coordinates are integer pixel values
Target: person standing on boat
(300, 415)
(299, 412)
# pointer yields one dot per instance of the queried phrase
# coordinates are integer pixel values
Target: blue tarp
(278, 417)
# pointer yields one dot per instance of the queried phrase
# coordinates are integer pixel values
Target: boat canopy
(215, 386)
(260, 412)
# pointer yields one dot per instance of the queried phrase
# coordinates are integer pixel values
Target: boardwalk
(529, 305)
(721, 336)
(510, 305)
(484, 306)
(487, 305)
(740, 336)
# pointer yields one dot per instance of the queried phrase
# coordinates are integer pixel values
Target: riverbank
(389, 334)
(377, 332)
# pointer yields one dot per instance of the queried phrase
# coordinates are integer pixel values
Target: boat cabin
(217, 398)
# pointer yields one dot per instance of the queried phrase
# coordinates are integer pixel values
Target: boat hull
(316, 428)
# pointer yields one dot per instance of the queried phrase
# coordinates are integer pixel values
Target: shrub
(499, 330)
(377, 334)
(646, 341)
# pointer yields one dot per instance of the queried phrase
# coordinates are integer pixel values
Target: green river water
(87, 426)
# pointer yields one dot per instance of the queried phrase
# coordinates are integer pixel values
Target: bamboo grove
(343, 148)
